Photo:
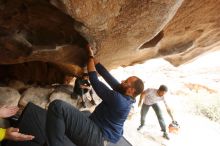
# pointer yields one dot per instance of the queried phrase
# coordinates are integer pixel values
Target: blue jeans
(157, 110)
(65, 120)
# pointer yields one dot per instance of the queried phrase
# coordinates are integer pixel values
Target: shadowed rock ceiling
(123, 32)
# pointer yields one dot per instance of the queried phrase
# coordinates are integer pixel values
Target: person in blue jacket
(105, 124)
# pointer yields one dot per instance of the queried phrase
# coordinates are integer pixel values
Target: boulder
(36, 95)
(76, 102)
(64, 97)
(9, 96)
(123, 32)
(18, 85)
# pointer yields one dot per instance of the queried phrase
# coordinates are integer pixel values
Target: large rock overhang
(123, 32)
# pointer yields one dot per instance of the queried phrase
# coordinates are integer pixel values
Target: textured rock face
(127, 32)
(118, 28)
(41, 96)
(9, 96)
(64, 97)
(124, 32)
(36, 95)
(34, 30)
(194, 30)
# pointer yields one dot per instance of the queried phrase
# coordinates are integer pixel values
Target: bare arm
(168, 110)
(91, 62)
(143, 94)
(96, 61)
(105, 93)
(104, 72)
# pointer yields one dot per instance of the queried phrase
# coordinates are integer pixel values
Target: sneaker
(166, 136)
(140, 127)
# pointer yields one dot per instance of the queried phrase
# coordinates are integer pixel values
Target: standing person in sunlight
(151, 98)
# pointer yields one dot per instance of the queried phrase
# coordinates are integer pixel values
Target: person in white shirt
(150, 98)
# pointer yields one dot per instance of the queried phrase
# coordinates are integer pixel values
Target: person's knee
(55, 105)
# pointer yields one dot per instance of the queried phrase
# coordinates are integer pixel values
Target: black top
(78, 83)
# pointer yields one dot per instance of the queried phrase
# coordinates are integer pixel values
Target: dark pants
(144, 110)
(63, 119)
(33, 121)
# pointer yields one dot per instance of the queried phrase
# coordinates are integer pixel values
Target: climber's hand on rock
(90, 51)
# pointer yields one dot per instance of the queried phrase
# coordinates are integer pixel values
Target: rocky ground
(193, 96)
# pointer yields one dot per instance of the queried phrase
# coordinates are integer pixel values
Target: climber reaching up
(105, 124)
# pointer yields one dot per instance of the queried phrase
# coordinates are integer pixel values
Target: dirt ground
(193, 96)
